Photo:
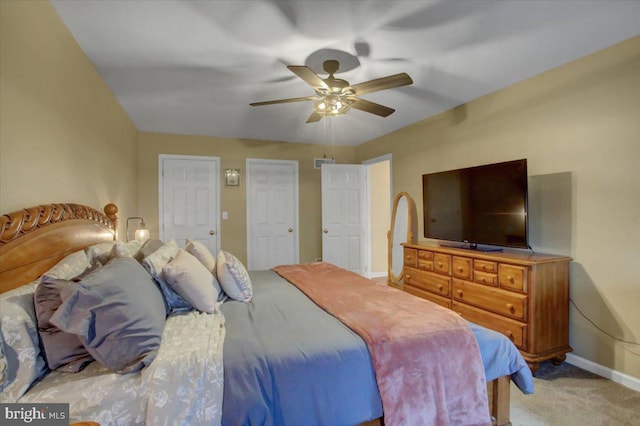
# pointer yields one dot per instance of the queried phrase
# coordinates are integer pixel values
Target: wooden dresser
(524, 296)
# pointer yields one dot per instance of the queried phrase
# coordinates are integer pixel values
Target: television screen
(478, 205)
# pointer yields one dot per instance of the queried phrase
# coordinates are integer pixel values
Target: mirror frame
(410, 232)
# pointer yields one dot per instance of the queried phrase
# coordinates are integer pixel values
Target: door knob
(290, 229)
(212, 232)
(326, 231)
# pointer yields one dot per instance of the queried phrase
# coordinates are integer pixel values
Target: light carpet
(567, 395)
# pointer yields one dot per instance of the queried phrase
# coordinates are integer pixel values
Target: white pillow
(159, 258)
(233, 277)
(202, 253)
(191, 280)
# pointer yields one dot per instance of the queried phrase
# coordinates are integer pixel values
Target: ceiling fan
(335, 96)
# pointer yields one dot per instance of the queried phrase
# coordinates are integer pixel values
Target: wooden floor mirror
(403, 230)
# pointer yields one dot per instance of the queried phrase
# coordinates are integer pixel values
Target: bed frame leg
(499, 400)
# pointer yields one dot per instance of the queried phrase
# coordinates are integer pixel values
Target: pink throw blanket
(426, 359)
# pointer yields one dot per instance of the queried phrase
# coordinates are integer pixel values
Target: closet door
(190, 199)
(272, 213)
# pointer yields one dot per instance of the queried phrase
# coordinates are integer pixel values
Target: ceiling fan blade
(372, 107)
(383, 83)
(282, 101)
(309, 76)
(314, 117)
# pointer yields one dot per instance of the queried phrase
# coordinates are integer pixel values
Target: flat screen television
(478, 205)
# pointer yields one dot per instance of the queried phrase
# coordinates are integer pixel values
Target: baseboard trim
(606, 372)
(377, 274)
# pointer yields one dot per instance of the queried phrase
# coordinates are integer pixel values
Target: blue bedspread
(287, 362)
(501, 358)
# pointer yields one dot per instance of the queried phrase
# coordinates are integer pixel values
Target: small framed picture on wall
(232, 177)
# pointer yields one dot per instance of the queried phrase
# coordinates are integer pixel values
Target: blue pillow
(173, 301)
(117, 312)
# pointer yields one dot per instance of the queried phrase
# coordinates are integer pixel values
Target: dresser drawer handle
(459, 293)
(511, 308)
(510, 278)
(408, 277)
(483, 280)
(440, 287)
(440, 264)
(460, 268)
(509, 334)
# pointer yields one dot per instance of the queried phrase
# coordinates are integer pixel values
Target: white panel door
(272, 213)
(189, 199)
(344, 218)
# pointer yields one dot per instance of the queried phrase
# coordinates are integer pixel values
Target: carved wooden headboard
(32, 240)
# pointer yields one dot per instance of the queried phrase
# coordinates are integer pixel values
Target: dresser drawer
(442, 263)
(425, 255)
(485, 278)
(514, 330)
(461, 267)
(425, 260)
(428, 281)
(425, 265)
(512, 277)
(442, 301)
(499, 301)
(410, 257)
(485, 266)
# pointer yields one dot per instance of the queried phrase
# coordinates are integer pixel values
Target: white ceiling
(193, 67)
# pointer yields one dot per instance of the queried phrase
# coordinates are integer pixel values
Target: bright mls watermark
(34, 414)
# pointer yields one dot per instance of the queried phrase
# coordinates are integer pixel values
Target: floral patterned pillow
(19, 340)
(99, 254)
(20, 343)
(233, 277)
(3, 364)
(122, 249)
(71, 266)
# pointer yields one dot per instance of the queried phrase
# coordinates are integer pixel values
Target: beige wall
(380, 213)
(63, 136)
(233, 153)
(579, 128)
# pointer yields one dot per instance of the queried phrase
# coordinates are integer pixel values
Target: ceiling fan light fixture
(332, 105)
(335, 96)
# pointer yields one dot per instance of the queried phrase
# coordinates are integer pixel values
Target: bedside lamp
(141, 232)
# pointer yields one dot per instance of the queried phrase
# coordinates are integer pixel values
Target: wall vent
(318, 162)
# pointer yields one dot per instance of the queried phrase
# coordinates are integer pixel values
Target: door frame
(162, 157)
(296, 203)
(369, 207)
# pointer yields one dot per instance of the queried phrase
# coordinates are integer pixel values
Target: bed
(280, 359)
